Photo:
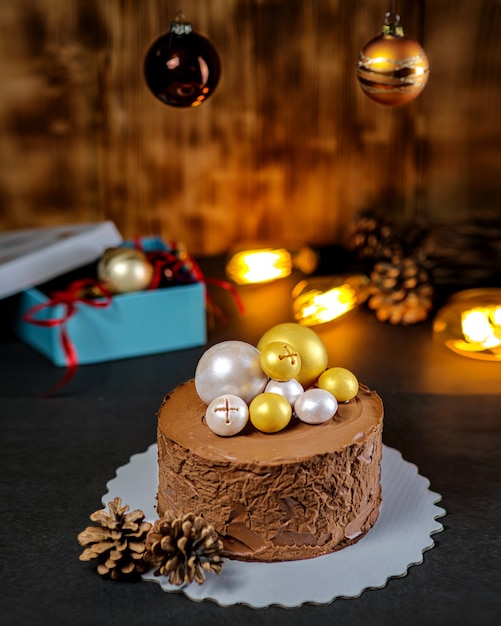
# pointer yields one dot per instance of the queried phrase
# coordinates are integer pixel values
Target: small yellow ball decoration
(270, 412)
(280, 361)
(308, 344)
(342, 383)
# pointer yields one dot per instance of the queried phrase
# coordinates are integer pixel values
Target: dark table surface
(442, 411)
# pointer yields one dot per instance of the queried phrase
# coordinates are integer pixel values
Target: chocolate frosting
(302, 492)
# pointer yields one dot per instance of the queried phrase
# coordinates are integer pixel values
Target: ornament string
(77, 292)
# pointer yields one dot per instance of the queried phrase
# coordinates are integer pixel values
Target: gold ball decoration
(392, 69)
(342, 383)
(308, 344)
(123, 270)
(280, 361)
(270, 412)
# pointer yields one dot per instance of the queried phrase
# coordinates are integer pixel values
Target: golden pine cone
(183, 548)
(118, 542)
(401, 292)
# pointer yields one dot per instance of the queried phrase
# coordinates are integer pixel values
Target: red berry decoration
(182, 68)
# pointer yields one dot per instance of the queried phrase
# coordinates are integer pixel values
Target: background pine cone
(399, 268)
(401, 292)
(183, 548)
(375, 238)
(118, 542)
(467, 254)
(372, 238)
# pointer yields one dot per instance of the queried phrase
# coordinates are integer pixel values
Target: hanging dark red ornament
(392, 69)
(182, 68)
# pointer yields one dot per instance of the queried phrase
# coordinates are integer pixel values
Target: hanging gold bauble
(392, 69)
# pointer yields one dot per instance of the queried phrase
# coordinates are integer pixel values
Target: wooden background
(287, 148)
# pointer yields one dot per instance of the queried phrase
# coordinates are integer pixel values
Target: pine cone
(377, 239)
(401, 292)
(183, 548)
(373, 238)
(118, 543)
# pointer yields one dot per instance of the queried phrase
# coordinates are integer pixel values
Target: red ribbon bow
(78, 291)
(224, 284)
(163, 260)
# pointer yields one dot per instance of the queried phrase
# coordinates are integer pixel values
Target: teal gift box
(130, 325)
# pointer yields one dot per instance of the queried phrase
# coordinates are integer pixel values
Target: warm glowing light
(259, 266)
(477, 328)
(495, 315)
(319, 308)
(471, 324)
(322, 300)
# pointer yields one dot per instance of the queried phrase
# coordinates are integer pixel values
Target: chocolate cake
(303, 492)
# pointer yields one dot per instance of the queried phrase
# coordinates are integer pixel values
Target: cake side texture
(301, 493)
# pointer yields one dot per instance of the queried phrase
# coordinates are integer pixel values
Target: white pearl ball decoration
(227, 415)
(230, 367)
(315, 406)
(289, 389)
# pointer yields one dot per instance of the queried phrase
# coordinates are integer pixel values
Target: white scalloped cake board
(408, 518)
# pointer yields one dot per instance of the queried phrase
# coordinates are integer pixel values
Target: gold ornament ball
(342, 383)
(392, 70)
(280, 361)
(270, 412)
(123, 270)
(308, 344)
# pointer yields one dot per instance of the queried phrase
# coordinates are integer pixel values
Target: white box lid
(32, 256)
